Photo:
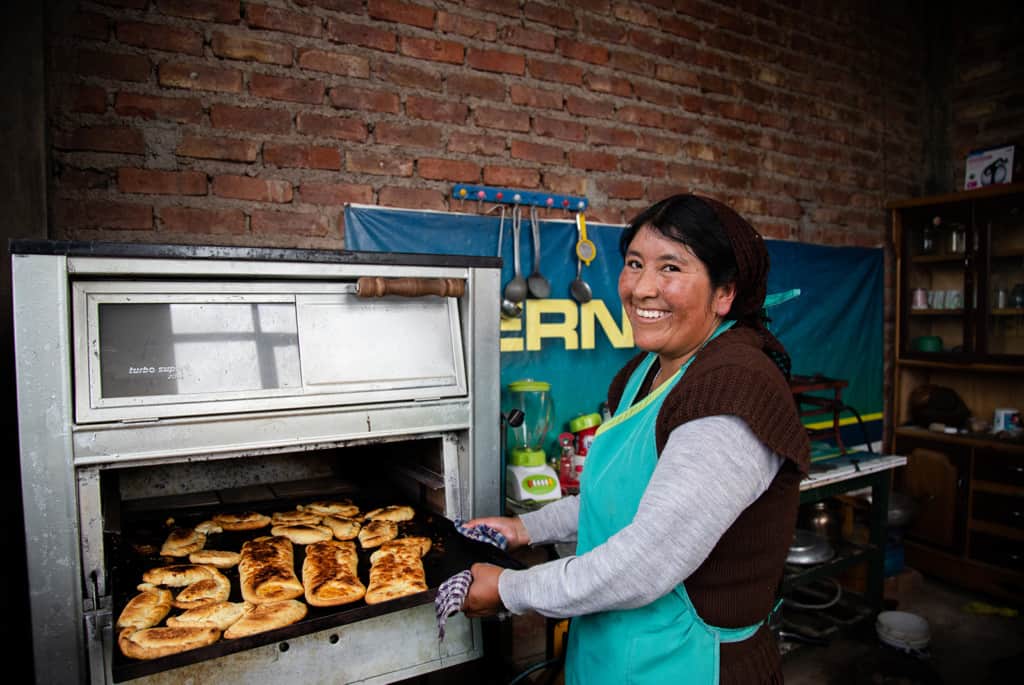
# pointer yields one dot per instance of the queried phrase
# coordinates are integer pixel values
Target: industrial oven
(157, 384)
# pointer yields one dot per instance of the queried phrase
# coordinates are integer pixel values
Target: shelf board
(847, 555)
(939, 258)
(976, 440)
(1008, 312)
(962, 196)
(937, 312)
(995, 529)
(966, 367)
(997, 488)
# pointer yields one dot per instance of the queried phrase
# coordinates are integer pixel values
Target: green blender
(528, 477)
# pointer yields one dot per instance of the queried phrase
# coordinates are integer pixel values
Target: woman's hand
(509, 526)
(483, 598)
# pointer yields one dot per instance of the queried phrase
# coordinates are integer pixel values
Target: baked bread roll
(329, 574)
(263, 617)
(216, 588)
(303, 535)
(396, 572)
(344, 528)
(215, 558)
(177, 575)
(326, 507)
(145, 609)
(395, 513)
(181, 542)
(376, 533)
(246, 520)
(209, 528)
(218, 614)
(295, 518)
(420, 545)
(153, 643)
(266, 571)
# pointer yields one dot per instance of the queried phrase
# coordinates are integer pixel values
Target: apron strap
(740, 634)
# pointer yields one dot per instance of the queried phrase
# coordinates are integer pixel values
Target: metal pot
(809, 548)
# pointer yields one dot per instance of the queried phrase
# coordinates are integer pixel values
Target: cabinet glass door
(939, 283)
(1002, 222)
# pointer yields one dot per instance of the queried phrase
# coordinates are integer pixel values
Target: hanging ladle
(579, 288)
(515, 290)
(538, 285)
(509, 309)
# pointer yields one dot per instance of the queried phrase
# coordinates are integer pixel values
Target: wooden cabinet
(960, 326)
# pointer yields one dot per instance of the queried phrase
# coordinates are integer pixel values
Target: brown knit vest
(738, 583)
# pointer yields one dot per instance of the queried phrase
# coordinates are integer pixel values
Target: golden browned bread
(344, 528)
(216, 588)
(303, 535)
(218, 614)
(329, 574)
(420, 545)
(177, 575)
(246, 520)
(295, 518)
(209, 528)
(396, 513)
(326, 507)
(215, 558)
(396, 573)
(266, 571)
(181, 542)
(376, 533)
(153, 643)
(145, 609)
(264, 617)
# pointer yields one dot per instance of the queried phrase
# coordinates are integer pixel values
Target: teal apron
(665, 641)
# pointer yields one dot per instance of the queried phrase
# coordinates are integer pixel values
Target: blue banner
(833, 328)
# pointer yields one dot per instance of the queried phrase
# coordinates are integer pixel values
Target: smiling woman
(691, 486)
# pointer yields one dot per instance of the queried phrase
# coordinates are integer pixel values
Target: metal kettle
(822, 519)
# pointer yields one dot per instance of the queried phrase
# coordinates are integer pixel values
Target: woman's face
(668, 297)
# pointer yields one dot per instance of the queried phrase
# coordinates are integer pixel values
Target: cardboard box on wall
(989, 167)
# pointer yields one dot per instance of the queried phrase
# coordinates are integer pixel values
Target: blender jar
(526, 441)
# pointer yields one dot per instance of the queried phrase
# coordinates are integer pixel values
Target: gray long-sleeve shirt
(710, 470)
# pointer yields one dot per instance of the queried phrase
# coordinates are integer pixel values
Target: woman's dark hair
(689, 220)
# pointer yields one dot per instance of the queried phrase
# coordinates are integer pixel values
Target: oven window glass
(187, 348)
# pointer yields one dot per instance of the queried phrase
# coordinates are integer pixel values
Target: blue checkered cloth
(482, 533)
(450, 597)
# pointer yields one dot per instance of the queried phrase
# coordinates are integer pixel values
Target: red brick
(264, 222)
(158, 182)
(232, 46)
(630, 14)
(335, 193)
(401, 13)
(346, 6)
(642, 166)
(640, 116)
(601, 109)
(496, 60)
(415, 198)
(200, 77)
(682, 27)
(435, 169)
(631, 63)
(223, 11)
(527, 38)
(559, 128)
(652, 44)
(430, 49)
(104, 214)
(592, 161)
(90, 25)
(621, 189)
(255, 189)
(182, 110)
(584, 52)
(103, 139)
(605, 135)
(160, 37)
(385, 164)
(361, 35)
(251, 119)
(537, 152)
(555, 71)
(448, 111)
(287, 89)
(666, 97)
(466, 26)
(406, 134)
(423, 77)
(469, 143)
(483, 87)
(511, 177)
(343, 128)
(559, 17)
(565, 184)
(508, 8)
(228, 149)
(600, 83)
(503, 119)
(365, 99)
(302, 156)
(199, 221)
(334, 63)
(131, 4)
(89, 99)
(274, 19)
(118, 67)
(81, 179)
(535, 97)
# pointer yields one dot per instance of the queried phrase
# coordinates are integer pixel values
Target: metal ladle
(509, 309)
(515, 290)
(538, 285)
(580, 289)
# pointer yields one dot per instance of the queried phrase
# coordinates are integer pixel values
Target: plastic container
(584, 427)
(903, 630)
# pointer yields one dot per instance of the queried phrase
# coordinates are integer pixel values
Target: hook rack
(513, 196)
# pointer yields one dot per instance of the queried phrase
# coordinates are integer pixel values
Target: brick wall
(228, 122)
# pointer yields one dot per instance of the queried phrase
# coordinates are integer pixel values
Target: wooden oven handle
(375, 286)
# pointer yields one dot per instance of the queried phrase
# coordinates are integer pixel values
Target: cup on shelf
(936, 299)
(919, 298)
(954, 299)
